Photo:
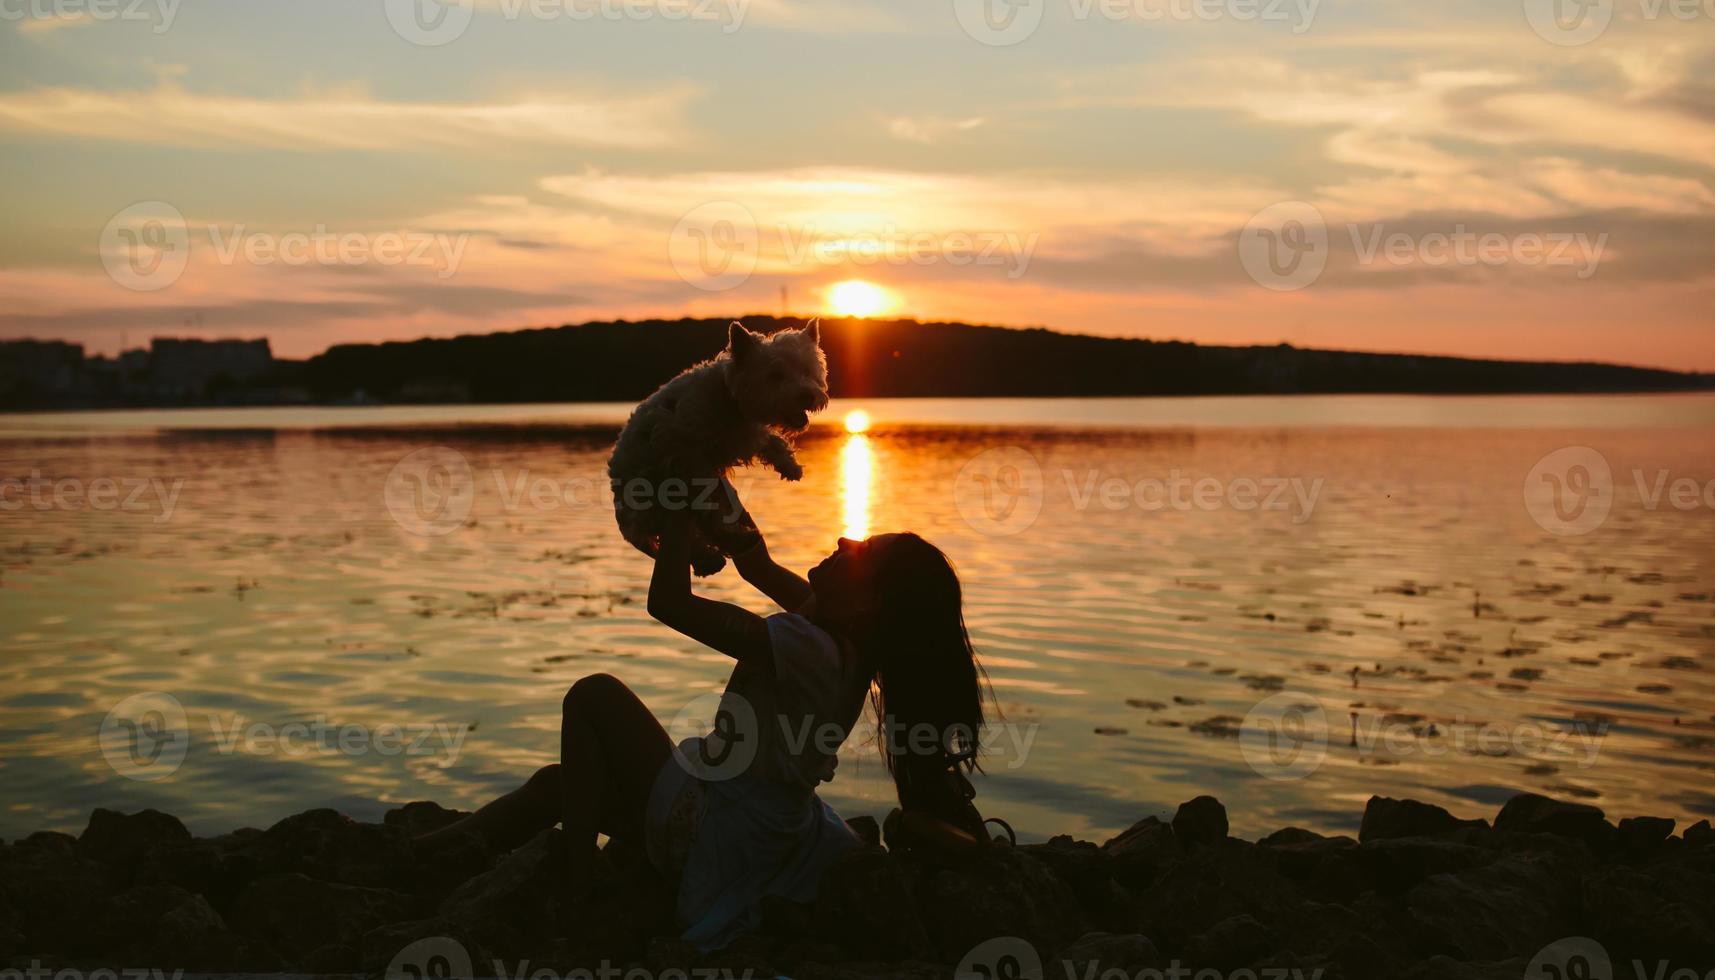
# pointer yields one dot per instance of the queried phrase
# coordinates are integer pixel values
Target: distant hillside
(624, 361)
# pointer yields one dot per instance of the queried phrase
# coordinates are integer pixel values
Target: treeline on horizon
(625, 361)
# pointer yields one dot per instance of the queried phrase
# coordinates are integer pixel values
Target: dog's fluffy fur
(681, 441)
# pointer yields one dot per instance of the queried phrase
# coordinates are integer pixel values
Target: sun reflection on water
(857, 472)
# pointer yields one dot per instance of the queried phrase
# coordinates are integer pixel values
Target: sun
(857, 421)
(856, 297)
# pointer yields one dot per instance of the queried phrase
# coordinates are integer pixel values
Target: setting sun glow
(857, 474)
(855, 297)
(857, 420)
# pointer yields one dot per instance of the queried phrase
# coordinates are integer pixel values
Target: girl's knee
(595, 687)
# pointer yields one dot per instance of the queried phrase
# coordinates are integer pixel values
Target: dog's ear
(814, 329)
(741, 341)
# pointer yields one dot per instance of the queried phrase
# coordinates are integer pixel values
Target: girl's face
(844, 582)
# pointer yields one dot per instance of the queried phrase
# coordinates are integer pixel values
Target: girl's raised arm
(777, 582)
(733, 630)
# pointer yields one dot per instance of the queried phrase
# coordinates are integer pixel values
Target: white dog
(737, 408)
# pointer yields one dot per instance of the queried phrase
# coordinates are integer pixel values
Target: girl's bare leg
(611, 749)
(514, 818)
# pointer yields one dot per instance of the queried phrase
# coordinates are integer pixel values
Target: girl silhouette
(734, 816)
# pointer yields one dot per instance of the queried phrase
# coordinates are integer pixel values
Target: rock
(416, 946)
(417, 819)
(518, 901)
(1210, 885)
(1390, 819)
(1003, 893)
(1529, 813)
(120, 840)
(1231, 943)
(1510, 907)
(1200, 822)
(866, 904)
(1332, 869)
(1446, 968)
(1089, 872)
(51, 890)
(163, 925)
(1142, 852)
(1290, 835)
(1095, 953)
(1667, 912)
(1392, 866)
(328, 846)
(297, 915)
(318, 893)
(1639, 832)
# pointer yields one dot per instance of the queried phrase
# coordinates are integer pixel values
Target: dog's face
(778, 380)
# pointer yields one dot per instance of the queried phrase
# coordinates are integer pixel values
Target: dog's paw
(706, 563)
(791, 471)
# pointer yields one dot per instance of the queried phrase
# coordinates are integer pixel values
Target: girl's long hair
(928, 693)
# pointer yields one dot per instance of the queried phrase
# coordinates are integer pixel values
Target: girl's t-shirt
(760, 828)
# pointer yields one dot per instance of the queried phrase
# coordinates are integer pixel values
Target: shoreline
(1418, 893)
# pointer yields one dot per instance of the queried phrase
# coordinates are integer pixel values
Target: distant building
(180, 368)
(41, 372)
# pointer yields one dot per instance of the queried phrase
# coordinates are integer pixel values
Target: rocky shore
(1419, 894)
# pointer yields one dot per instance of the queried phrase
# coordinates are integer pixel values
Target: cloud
(42, 26)
(172, 115)
(930, 129)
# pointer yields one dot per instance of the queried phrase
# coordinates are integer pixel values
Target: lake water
(1290, 603)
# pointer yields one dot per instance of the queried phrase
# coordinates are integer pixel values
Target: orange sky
(1462, 178)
